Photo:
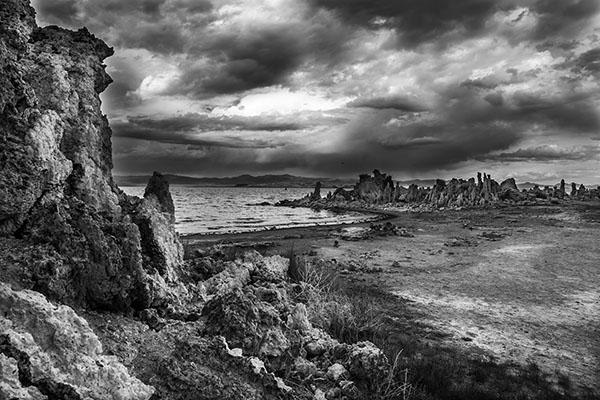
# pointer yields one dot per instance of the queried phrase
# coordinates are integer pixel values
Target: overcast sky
(417, 88)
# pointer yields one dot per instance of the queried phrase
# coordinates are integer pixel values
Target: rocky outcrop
(256, 314)
(225, 329)
(316, 194)
(107, 250)
(253, 339)
(374, 189)
(47, 351)
(509, 191)
(379, 189)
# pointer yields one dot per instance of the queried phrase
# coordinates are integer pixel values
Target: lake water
(213, 210)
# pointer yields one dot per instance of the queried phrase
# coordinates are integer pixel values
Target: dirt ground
(513, 284)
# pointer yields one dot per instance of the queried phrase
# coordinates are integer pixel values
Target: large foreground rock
(48, 352)
(108, 250)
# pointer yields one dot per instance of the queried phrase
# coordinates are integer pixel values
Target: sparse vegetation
(419, 372)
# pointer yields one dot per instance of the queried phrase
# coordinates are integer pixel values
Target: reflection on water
(227, 209)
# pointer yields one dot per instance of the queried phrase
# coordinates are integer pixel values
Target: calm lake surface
(213, 210)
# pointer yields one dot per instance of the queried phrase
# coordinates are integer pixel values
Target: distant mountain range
(531, 185)
(285, 180)
(242, 180)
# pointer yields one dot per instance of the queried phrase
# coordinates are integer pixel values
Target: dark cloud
(545, 153)
(218, 161)
(422, 21)
(469, 125)
(495, 99)
(489, 82)
(204, 123)
(422, 145)
(370, 141)
(61, 12)
(387, 102)
(589, 62)
(192, 129)
(563, 18)
(573, 112)
(134, 131)
(417, 21)
(163, 37)
(566, 46)
(576, 113)
(195, 6)
(152, 6)
(155, 25)
(177, 52)
(256, 59)
(262, 57)
(125, 9)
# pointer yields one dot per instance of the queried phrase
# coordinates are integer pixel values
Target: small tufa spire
(159, 186)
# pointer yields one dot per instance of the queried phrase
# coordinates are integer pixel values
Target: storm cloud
(398, 103)
(547, 153)
(340, 87)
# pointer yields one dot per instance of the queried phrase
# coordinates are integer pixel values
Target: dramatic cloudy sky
(418, 88)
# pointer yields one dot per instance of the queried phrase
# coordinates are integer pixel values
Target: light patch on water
(215, 210)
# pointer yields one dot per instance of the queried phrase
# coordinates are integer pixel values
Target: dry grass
(349, 318)
(418, 373)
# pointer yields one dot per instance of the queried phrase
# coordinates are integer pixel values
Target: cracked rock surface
(49, 352)
(101, 248)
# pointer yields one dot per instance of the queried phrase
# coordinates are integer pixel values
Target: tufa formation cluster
(379, 189)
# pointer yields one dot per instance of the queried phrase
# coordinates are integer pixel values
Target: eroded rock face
(376, 188)
(316, 194)
(48, 351)
(155, 216)
(254, 310)
(56, 186)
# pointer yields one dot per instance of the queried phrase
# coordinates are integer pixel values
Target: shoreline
(478, 284)
(380, 215)
(390, 215)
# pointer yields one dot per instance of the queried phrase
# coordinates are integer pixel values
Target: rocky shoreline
(220, 326)
(96, 298)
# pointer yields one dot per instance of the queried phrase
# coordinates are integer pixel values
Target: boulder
(246, 322)
(50, 350)
(367, 363)
(337, 372)
(183, 365)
